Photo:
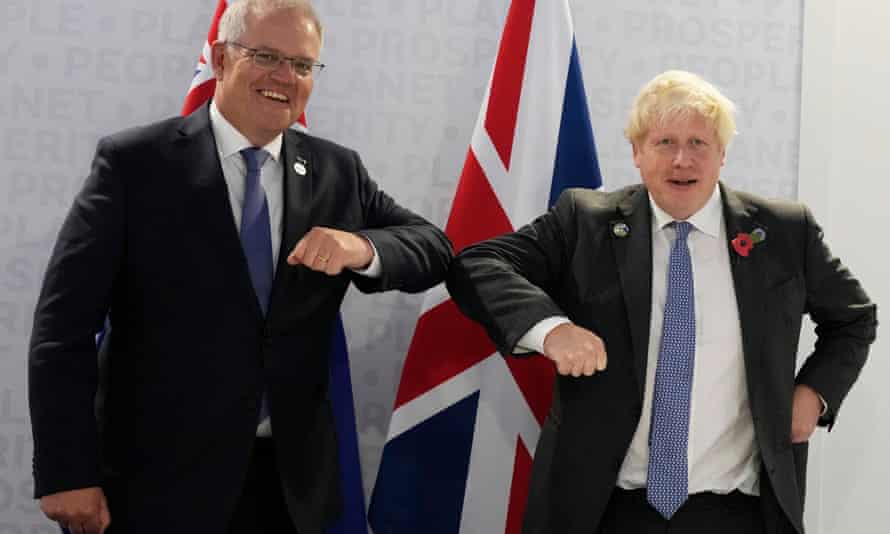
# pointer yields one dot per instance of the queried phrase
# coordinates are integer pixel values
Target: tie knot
(682, 228)
(254, 158)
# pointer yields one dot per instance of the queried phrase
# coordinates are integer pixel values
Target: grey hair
(233, 22)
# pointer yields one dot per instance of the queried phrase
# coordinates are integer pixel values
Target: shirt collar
(229, 141)
(706, 220)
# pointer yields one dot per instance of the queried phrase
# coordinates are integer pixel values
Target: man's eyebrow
(272, 50)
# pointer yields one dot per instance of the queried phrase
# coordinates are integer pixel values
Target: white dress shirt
(722, 453)
(229, 143)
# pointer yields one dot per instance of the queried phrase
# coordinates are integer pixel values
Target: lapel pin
(758, 235)
(744, 242)
(620, 229)
(300, 168)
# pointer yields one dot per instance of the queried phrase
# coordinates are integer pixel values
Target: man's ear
(217, 58)
(636, 153)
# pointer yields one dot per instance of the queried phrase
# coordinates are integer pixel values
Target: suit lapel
(633, 256)
(298, 178)
(752, 276)
(196, 149)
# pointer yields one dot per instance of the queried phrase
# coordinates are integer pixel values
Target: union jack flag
(466, 420)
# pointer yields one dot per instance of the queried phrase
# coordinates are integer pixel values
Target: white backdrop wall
(844, 171)
(403, 87)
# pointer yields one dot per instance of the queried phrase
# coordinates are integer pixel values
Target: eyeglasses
(267, 60)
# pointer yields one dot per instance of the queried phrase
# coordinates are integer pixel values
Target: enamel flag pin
(620, 229)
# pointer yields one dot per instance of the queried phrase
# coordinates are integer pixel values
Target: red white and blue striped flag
(353, 519)
(466, 420)
(204, 83)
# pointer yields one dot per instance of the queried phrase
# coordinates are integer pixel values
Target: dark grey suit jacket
(570, 262)
(151, 240)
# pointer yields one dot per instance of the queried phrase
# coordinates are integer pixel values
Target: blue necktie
(668, 484)
(256, 237)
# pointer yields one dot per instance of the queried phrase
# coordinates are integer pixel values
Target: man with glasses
(219, 246)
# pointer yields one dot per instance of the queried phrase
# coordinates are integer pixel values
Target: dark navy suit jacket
(571, 262)
(151, 241)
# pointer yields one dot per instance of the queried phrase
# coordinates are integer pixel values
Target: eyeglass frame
(302, 67)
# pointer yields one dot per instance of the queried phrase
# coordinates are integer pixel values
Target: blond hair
(678, 93)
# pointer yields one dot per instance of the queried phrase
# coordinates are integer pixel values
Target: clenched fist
(330, 251)
(576, 351)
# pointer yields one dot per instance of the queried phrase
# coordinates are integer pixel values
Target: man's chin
(682, 208)
(274, 125)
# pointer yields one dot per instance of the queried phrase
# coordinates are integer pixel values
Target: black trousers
(628, 512)
(261, 508)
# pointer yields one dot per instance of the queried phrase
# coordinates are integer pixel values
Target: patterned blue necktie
(668, 484)
(256, 235)
(256, 238)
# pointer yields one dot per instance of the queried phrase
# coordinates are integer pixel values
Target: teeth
(273, 95)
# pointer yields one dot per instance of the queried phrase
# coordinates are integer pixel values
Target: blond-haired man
(220, 245)
(672, 311)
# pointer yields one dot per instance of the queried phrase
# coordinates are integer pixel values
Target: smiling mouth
(275, 96)
(683, 182)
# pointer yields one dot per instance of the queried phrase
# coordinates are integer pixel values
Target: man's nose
(284, 72)
(682, 158)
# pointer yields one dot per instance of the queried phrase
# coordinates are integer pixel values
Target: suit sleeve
(846, 323)
(71, 309)
(506, 283)
(414, 254)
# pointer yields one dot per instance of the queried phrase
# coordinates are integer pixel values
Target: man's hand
(330, 251)
(805, 412)
(81, 511)
(576, 351)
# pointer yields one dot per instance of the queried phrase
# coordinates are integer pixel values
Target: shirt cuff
(533, 340)
(374, 269)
